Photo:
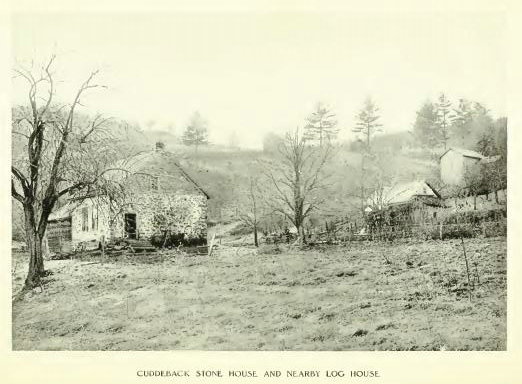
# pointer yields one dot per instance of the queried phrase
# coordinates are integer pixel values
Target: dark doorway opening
(130, 225)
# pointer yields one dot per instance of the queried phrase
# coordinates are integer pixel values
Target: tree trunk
(34, 244)
(102, 245)
(256, 243)
(36, 265)
(301, 235)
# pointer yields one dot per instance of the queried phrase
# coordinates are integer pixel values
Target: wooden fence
(425, 231)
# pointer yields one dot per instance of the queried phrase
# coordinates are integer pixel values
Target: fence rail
(424, 231)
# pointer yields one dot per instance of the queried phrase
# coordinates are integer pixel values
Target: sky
(256, 72)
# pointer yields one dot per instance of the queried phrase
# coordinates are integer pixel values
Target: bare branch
(15, 193)
(21, 178)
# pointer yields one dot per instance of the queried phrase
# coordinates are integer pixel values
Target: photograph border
(393, 367)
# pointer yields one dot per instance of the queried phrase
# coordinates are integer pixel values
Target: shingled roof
(157, 162)
(403, 193)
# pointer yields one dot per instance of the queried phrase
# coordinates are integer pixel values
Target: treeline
(465, 124)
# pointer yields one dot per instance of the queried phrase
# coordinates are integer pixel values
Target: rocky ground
(364, 296)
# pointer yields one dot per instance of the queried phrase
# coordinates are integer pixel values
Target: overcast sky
(258, 72)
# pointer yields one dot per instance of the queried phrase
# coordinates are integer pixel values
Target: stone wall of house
(160, 212)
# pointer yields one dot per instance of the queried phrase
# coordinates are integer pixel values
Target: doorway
(130, 225)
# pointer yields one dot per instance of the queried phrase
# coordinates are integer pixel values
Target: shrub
(450, 231)
(475, 217)
(171, 240)
(495, 229)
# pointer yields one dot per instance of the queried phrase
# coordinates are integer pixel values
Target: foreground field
(408, 296)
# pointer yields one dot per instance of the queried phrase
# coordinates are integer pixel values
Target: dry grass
(337, 298)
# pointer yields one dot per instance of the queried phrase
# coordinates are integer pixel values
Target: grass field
(405, 296)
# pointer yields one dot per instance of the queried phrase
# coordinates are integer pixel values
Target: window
(85, 219)
(94, 221)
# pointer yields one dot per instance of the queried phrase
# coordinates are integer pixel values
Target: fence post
(467, 268)
(102, 245)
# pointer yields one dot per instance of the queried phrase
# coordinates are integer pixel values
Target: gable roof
(157, 162)
(464, 152)
(403, 193)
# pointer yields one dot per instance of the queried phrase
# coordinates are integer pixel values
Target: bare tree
(373, 180)
(56, 158)
(495, 174)
(475, 181)
(380, 195)
(251, 209)
(298, 179)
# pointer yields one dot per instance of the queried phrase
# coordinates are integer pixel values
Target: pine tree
(321, 125)
(196, 133)
(444, 119)
(462, 122)
(367, 122)
(425, 128)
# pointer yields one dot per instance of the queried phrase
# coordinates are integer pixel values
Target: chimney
(160, 146)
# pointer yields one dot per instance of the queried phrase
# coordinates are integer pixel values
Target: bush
(171, 240)
(475, 217)
(495, 229)
(450, 231)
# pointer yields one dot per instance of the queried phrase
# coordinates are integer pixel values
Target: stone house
(454, 163)
(159, 198)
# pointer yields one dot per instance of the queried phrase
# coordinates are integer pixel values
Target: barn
(160, 198)
(454, 163)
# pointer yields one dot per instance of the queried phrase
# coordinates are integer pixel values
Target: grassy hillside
(223, 174)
